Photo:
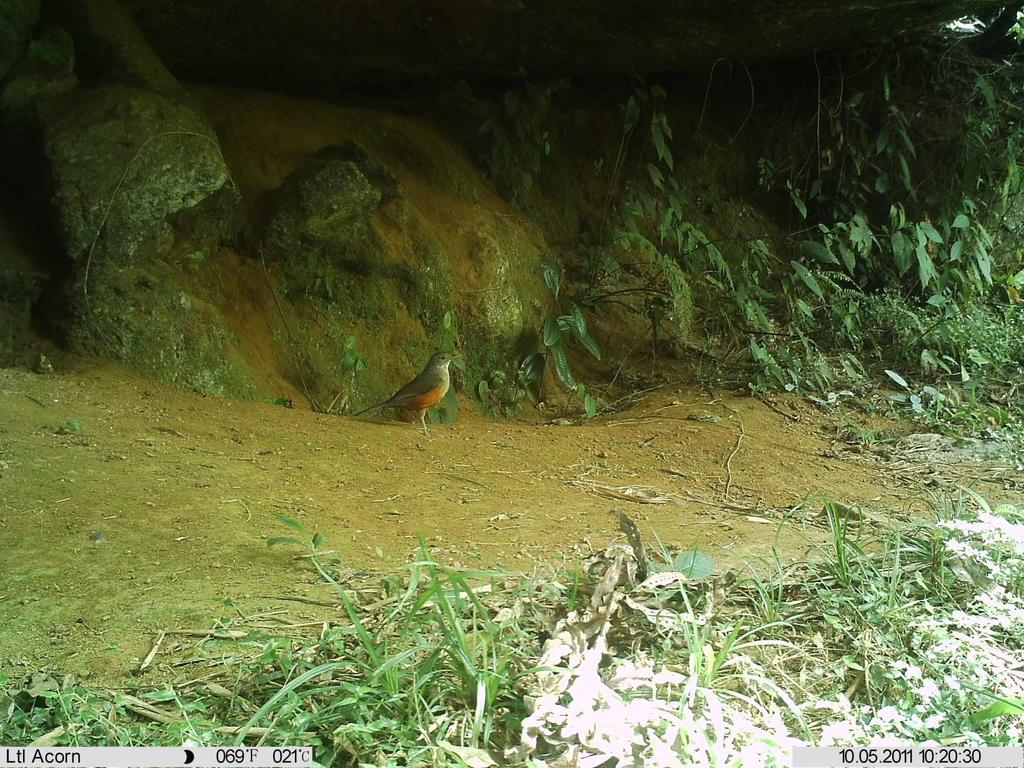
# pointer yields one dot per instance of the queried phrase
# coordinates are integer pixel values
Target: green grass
(914, 633)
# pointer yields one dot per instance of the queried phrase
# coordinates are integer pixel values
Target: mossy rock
(125, 163)
(141, 316)
(319, 225)
(137, 179)
(355, 260)
(500, 316)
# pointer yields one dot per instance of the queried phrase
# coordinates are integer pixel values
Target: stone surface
(125, 163)
(138, 179)
(320, 220)
(286, 43)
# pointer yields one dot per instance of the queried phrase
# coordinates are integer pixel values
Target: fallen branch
(148, 661)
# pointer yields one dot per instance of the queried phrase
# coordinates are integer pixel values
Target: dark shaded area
(328, 46)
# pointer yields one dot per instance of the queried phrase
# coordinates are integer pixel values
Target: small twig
(244, 506)
(140, 707)
(153, 652)
(288, 331)
(752, 102)
(34, 400)
(453, 476)
(234, 730)
(219, 634)
(773, 407)
(707, 91)
(296, 599)
(735, 449)
(342, 392)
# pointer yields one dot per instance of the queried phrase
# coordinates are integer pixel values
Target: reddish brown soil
(157, 511)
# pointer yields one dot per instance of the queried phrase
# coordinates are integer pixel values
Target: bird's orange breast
(426, 400)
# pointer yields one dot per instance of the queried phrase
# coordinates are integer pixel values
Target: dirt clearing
(127, 507)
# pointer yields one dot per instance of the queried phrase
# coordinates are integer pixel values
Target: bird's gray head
(441, 360)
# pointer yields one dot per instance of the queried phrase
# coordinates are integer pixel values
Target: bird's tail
(371, 408)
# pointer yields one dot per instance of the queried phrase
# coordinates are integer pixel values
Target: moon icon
(189, 756)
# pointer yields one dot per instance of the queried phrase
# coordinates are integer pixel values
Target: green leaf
(483, 389)
(552, 335)
(532, 367)
(579, 326)
(906, 141)
(956, 251)
(905, 171)
(897, 378)
(275, 541)
(882, 140)
(808, 279)
(849, 259)
(562, 367)
(659, 128)
(925, 266)
(797, 200)
(961, 221)
(577, 321)
(590, 344)
(1000, 708)
(291, 523)
(930, 232)
(903, 251)
(553, 278)
(630, 114)
(657, 177)
(318, 540)
(817, 251)
(805, 309)
(590, 406)
(695, 565)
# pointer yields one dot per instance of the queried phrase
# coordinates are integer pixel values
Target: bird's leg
(423, 421)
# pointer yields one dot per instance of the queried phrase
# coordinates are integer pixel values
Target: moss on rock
(124, 161)
(128, 166)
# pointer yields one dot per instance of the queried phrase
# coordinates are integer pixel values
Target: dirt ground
(127, 507)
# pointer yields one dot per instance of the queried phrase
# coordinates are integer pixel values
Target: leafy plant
(557, 329)
(522, 133)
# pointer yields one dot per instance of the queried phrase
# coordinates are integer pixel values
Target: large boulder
(128, 166)
(320, 219)
(357, 261)
(137, 181)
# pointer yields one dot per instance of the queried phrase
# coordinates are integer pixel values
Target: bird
(424, 392)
